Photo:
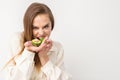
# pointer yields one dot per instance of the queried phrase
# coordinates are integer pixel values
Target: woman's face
(41, 26)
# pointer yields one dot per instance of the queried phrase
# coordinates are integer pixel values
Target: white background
(88, 29)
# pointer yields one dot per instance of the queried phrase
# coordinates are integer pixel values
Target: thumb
(28, 43)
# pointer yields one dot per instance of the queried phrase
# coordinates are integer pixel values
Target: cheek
(48, 32)
(34, 33)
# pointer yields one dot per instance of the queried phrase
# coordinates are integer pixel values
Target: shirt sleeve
(24, 63)
(56, 71)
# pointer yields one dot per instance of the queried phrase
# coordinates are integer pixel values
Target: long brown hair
(33, 10)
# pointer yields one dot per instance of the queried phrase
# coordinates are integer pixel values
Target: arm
(24, 62)
(56, 71)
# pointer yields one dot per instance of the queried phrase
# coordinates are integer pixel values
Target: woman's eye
(35, 28)
(46, 26)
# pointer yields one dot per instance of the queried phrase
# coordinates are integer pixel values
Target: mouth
(40, 37)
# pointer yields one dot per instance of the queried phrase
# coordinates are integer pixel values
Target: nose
(40, 32)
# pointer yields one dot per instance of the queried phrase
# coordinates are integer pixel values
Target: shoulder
(57, 44)
(57, 48)
(16, 35)
(14, 42)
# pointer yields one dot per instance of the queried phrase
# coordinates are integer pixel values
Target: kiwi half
(37, 42)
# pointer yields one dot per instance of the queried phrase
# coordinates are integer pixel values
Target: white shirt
(25, 70)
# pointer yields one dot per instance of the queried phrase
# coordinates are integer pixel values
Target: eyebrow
(46, 25)
(43, 26)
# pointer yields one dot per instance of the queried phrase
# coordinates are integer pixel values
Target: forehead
(41, 19)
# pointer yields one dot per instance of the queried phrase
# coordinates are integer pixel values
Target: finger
(49, 44)
(41, 47)
(46, 44)
(30, 47)
(45, 40)
(48, 41)
(33, 48)
(28, 43)
(48, 48)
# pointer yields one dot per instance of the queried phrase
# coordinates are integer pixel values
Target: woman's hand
(44, 47)
(42, 50)
(42, 53)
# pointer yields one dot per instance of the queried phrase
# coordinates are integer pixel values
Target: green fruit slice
(37, 42)
(41, 39)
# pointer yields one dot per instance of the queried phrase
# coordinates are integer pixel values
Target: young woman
(29, 62)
